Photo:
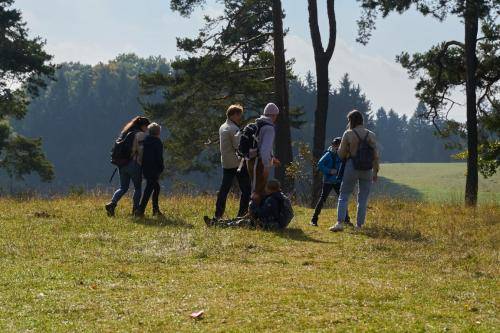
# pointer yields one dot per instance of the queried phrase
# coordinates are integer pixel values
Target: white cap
(271, 110)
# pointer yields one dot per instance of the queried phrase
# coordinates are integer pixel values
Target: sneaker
(110, 209)
(208, 221)
(337, 227)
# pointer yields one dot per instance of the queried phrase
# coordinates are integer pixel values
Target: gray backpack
(365, 155)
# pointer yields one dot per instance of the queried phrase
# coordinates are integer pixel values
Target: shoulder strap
(357, 135)
(366, 136)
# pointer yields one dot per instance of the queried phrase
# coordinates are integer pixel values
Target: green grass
(443, 182)
(415, 267)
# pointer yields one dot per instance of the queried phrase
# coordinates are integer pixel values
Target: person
(359, 149)
(274, 212)
(259, 167)
(229, 135)
(152, 167)
(130, 169)
(330, 165)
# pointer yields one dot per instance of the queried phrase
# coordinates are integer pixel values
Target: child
(330, 165)
(152, 167)
(274, 211)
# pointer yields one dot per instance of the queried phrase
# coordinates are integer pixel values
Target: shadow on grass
(298, 235)
(381, 232)
(163, 221)
(386, 187)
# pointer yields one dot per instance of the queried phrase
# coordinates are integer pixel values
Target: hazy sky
(90, 31)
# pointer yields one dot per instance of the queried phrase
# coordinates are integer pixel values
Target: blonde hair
(234, 109)
(154, 129)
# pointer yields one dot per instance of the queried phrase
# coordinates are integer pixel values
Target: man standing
(229, 141)
(260, 166)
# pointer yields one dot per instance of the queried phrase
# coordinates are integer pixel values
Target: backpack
(286, 211)
(365, 155)
(121, 153)
(249, 140)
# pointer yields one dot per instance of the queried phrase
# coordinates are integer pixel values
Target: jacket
(266, 141)
(229, 138)
(350, 142)
(268, 212)
(152, 158)
(330, 161)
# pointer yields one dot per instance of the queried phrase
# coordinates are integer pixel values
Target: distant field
(433, 181)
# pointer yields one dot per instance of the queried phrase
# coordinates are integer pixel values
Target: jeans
(227, 182)
(325, 192)
(152, 187)
(351, 178)
(130, 172)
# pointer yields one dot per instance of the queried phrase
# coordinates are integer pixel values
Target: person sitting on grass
(274, 211)
(331, 167)
(152, 167)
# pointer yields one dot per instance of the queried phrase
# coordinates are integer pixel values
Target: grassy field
(443, 182)
(65, 266)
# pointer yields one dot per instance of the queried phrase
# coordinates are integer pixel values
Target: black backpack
(365, 155)
(286, 211)
(121, 153)
(248, 146)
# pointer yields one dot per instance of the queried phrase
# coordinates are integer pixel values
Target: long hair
(135, 124)
(355, 118)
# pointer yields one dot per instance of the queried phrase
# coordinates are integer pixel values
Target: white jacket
(229, 135)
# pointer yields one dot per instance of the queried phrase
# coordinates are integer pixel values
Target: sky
(93, 31)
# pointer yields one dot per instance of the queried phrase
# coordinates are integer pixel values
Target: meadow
(419, 265)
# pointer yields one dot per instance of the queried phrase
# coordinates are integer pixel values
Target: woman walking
(132, 138)
(359, 148)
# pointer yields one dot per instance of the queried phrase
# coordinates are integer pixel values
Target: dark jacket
(152, 158)
(268, 212)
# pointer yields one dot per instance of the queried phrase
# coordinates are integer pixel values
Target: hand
(375, 178)
(333, 172)
(275, 162)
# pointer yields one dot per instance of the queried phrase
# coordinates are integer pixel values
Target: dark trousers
(325, 192)
(227, 182)
(152, 187)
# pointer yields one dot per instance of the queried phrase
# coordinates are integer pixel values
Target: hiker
(152, 167)
(260, 157)
(229, 138)
(359, 149)
(127, 156)
(274, 212)
(331, 166)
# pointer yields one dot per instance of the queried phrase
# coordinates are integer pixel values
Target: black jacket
(269, 210)
(152, 159)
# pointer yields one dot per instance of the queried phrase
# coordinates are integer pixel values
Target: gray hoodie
(266, 141)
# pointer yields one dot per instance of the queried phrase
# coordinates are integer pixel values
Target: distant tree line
(80, 114)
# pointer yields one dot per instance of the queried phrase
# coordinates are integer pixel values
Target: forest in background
(80, 113)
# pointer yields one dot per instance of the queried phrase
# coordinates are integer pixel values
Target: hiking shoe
(110, 209)
(314, 222)
(138, 213)
(157, 213)
(208, 221)
(337, 227)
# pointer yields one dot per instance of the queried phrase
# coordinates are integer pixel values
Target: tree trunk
(471, 30)
(283, 132)
(320, 119)
(322, 58)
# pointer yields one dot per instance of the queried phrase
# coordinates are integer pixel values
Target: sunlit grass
(65, 266)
